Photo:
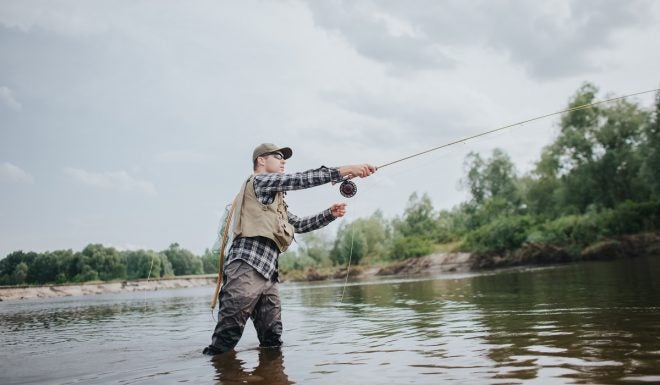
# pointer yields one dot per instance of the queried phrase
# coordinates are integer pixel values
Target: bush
(632, 217)
(351, 246)
(411, 246)
(290, 261)
(571, 230)
(505, 233)
(579, 231)
(183, 261)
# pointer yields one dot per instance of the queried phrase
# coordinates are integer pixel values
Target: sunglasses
(276, 155)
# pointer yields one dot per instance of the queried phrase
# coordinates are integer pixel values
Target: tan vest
(254, 219)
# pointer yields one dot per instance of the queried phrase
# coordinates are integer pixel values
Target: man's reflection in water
(270, 370)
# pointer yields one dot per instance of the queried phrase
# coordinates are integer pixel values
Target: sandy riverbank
(31, 292)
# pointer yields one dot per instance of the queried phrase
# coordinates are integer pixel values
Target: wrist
(335, 174)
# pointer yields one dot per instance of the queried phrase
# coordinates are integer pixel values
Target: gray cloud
(113, 180)
(549, 39)
(10, 173)
(182, 156)
(7, 99)
(410, 117)
(379, 34)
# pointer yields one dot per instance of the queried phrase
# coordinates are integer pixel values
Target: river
(596, 322)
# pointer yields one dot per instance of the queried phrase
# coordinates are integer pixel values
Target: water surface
(593, 322)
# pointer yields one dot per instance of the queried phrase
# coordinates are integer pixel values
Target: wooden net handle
(221, 256)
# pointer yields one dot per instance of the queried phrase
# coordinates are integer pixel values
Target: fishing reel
(347, 188)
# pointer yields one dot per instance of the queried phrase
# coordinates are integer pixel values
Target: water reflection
(270, 370)
(589, 322)
(593, 322)
(582, 323)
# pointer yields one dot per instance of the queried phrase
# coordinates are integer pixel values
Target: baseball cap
(266, 148)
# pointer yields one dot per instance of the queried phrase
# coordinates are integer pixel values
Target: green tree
(649, 173)
(493, 178)
(9, 264)
(183, 261)
(62, 259)
(495, 189)
(210, 262)
(144, 264)
(107, 262)
(595, 160)
(292, 260)
(316, 246)
(45, 268)
(474, 179)
(350, 244)
(369, 238)
(20, 273)
(418, 218)
(416, 231)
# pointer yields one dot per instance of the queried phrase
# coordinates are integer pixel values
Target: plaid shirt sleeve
(266, 185)
(261, 253)
(313, 222)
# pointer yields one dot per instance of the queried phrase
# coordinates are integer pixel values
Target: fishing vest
(255, 219)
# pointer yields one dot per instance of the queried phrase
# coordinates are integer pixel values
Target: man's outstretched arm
(314, 222)
(272, 182)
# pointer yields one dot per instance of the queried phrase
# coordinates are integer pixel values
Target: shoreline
(627, 246)
(437, 263)
(17, 293)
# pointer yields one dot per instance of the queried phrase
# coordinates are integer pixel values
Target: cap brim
(286, 151)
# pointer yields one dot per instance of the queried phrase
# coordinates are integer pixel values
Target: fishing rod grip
(343, 179)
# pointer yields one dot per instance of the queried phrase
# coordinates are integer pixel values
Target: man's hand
(361, 170)
(338, 209)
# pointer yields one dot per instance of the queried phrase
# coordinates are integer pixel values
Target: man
(263, 228)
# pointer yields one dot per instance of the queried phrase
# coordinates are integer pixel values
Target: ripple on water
(516, 327)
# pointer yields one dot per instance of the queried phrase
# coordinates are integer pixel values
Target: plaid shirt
(262, 253)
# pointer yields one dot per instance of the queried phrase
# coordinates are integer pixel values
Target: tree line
(99, 263)
(599, 178)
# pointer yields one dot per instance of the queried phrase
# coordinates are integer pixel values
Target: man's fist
(357, 170)
(338, 209)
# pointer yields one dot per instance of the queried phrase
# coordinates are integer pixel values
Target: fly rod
(348, 188)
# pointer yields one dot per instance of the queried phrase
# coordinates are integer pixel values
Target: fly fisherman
(263, 228)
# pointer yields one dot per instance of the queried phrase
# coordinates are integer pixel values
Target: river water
(595, 322)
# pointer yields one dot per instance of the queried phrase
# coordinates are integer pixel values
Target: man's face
(274, 162)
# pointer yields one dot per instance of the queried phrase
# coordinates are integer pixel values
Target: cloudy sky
(132, 123)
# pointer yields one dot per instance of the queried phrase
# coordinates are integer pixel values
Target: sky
(132, 123)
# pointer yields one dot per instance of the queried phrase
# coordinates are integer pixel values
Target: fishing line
(148, 276)
(348, 188)
(576, 108)
(348, 266)
(350, 258)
